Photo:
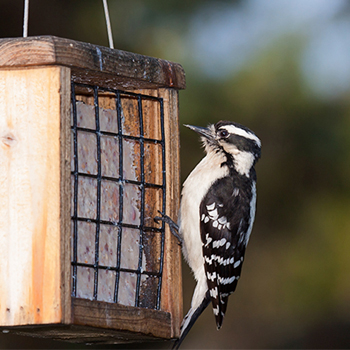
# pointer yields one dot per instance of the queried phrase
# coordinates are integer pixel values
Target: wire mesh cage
(90, 150)
(118, 249)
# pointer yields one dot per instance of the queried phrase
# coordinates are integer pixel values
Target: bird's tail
(191, 318)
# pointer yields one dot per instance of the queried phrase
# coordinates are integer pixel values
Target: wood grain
(83, 334)
(172, 276)
(65, 194)
(30, 196)
(126, 318)
(89, 62)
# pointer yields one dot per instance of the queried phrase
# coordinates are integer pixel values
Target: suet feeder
(89, 153)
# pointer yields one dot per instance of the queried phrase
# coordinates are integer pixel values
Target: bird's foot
(174, 228)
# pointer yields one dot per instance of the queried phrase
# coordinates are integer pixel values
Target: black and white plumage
(217, 214)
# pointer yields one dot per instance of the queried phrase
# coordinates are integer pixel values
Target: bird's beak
(206, 132)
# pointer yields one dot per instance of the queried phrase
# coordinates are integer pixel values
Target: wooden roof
(120, 68)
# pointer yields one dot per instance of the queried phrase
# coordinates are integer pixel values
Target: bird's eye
(223, 133)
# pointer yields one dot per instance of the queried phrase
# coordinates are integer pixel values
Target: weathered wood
(65, 194)
(81, 334)
(172, 276)
(35, 188)
(115, 68)
(34, 165)
(125, 318)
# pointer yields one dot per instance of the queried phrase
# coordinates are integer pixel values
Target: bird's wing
(224, 221)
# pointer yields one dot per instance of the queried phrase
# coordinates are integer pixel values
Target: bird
(216, 216)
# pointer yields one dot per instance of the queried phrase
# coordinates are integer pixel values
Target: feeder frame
(35, 125)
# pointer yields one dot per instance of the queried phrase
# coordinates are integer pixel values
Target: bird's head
(233, 139)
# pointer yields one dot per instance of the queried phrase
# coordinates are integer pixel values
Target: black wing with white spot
(224, 230)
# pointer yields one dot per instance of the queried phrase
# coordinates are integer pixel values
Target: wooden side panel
(65, 194)
(33, 286)
(172, 277)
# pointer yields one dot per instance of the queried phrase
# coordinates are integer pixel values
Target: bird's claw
(174, 228)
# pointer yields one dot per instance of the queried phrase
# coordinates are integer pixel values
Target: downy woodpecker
(216, 216)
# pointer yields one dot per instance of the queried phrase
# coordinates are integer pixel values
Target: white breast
(194, 189)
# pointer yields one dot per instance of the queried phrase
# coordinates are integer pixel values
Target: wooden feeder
(89, 152)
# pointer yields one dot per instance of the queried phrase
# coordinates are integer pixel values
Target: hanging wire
(25, 18)
(108, 23)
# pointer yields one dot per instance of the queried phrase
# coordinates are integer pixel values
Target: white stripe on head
(241, 132)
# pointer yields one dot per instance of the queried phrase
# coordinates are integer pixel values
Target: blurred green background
(282, 68)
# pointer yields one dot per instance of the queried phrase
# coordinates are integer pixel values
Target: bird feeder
(89, 153)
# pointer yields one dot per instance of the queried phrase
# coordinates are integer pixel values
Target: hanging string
(108, 23)
(25, 18)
